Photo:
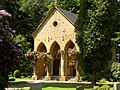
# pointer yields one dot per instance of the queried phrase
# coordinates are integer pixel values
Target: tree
(9, 49)
(20, 20)
(23, 23)
(71, 5)
(35, 9)
(25, 65)
(94, 30)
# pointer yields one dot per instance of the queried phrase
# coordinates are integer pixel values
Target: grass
(56, 85)
(63, 86)
(60, 86)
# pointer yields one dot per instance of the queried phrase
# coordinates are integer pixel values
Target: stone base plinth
(34, 77)
(35, 86)
(63, 78)
(77, 79)
(47, 78)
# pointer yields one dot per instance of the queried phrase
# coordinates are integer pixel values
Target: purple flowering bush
(9, 49)
(4, 13)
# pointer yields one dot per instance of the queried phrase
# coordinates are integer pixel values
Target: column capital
(62, 52)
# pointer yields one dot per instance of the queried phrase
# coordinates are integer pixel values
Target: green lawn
(58, 88)
(57, 85)
(63, 86)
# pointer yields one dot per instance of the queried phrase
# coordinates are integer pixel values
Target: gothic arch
(56, 56)
(54, 48)
(40, 65)
(71, 68)
(68, 45)
(42, 47)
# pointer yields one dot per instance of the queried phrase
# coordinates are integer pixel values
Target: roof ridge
(72, 17)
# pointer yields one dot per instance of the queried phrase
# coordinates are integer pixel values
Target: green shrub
(11, 79)
(22, 76)
(115, 69)
(96, 88)
(29, 76)
(104, 87)
(17, 74)
(103, 80)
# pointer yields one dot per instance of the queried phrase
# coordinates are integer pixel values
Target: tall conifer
(94, 30)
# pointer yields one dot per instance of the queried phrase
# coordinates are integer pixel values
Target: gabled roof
(71, 17)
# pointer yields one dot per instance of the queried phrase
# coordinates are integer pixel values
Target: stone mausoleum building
(56, 32)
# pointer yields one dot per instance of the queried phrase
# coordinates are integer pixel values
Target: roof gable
(71, 17)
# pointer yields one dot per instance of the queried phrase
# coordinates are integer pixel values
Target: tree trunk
(93, 79)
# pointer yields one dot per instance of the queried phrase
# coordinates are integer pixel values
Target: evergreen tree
(94, 30)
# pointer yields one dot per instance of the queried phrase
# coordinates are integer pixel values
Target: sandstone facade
(56, 32)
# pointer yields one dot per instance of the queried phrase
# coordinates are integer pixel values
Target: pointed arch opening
(54, 50)
(40, 65)
(70, 67)
(42, 47)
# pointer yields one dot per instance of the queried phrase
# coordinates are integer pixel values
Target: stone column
(34, 77)
(52, 70)
(62, 70)
(48, 74)
(66, 66)
(77, 78)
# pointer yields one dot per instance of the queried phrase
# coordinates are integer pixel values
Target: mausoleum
(56, 33)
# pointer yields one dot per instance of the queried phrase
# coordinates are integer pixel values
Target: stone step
(56, 78)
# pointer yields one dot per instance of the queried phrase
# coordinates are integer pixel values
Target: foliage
(2, 83)
(20, 21)
(24, 64)
(115, 69)
(117, 38)
(117, 19)
(10, 50)
(23, 41)
(94, 30)
(103, 87)
(103, 80)
(35, 9)
(73, 55)
(11, 78)
(36, 55)
(17, 74)
(71, 5)
(4, 13)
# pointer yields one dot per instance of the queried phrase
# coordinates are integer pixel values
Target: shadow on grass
(19, 84)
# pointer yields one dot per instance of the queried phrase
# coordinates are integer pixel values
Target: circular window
(55, 23)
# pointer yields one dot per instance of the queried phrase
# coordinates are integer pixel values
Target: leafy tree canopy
(35, 9)
(94, 30)
(20, 21)
(71, 5)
